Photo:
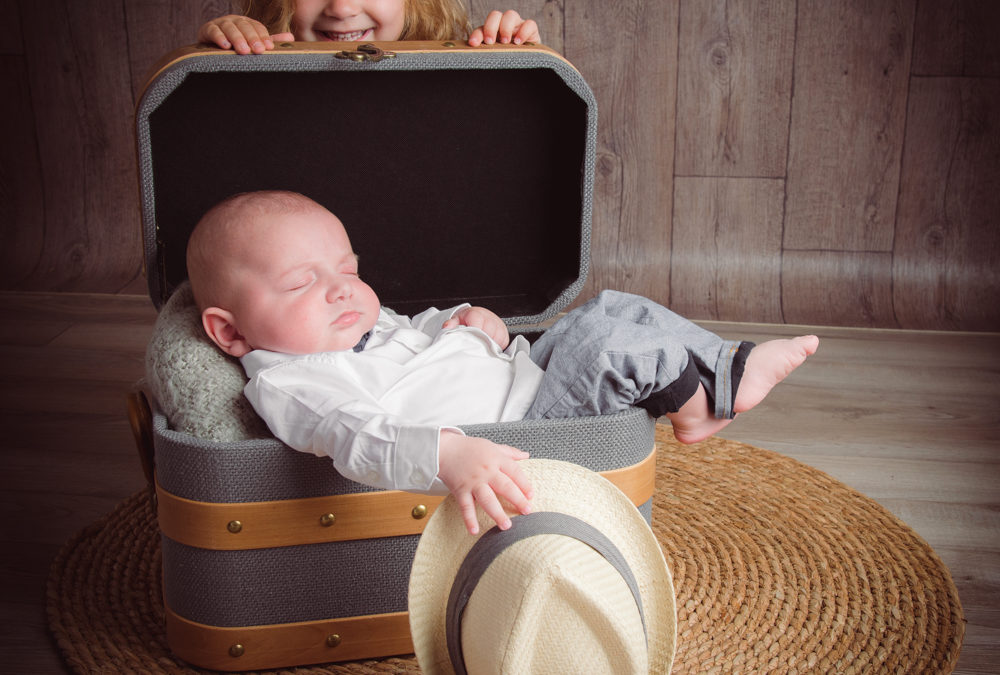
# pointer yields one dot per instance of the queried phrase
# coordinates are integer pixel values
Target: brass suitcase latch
(366, 52)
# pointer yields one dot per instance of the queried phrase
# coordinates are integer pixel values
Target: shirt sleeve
(431, 320)
(333, 416)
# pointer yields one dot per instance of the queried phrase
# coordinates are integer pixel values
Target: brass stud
(449, 44)
(234, 526)
(419, 511)
(327, 519)
(236, 650)
(286, 44)
(332, 640)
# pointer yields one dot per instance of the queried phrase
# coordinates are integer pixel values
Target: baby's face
(348, 20)
(298, 289)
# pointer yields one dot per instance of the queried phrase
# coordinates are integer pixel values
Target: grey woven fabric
(292, 583)
(198, 387)
(267, 469)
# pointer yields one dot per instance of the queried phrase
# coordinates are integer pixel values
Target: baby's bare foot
(693, 422)
(767, 365)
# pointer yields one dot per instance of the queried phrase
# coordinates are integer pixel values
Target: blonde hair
(422, 19)
(275, 14)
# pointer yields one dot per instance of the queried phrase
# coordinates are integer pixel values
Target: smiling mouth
(352, 36)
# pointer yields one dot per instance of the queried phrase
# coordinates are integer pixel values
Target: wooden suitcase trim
(296, 48)
(363, 515)
(279, 645)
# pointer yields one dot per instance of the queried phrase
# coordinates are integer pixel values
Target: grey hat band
(495, 541)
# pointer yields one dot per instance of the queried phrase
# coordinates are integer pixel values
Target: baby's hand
(478, 471)
(484, 320)
(505, 27)
(239, 33)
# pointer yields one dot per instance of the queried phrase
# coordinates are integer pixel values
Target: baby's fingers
(487, 500)
(468, 508)
(515, 486)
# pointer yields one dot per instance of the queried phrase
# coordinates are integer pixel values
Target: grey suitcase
(271, 558)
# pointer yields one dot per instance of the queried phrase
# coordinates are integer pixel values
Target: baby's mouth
(352, 36)
(348, 318)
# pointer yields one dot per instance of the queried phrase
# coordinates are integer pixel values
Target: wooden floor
(911, 419)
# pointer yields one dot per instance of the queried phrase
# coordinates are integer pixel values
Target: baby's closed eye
(299, 283)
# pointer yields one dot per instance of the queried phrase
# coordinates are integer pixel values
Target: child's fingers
(257, 35)
(474, 319)
(517, 483)
(496, 329)
(500, 334)
(513, 493)
(247, 35)
(211, 33)
(283, 37)
(468, 509)
(487, 500)
(491, 26)
(476, 37)
(528, 32)
(236, 38)
(514, 453)
(509, 23)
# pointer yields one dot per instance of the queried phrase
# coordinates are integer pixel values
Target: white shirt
(378, 413)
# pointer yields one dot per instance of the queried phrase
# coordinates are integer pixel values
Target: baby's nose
(339, 289)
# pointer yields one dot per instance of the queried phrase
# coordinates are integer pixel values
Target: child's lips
(344, 36)
(347, 319)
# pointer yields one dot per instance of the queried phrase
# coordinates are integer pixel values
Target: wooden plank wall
(792, 161)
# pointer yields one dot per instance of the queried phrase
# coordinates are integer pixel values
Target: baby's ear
(219, 325)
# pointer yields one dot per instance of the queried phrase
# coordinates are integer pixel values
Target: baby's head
(275, 270)
(355, 20)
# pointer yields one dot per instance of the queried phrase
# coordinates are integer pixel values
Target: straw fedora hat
(579, 585)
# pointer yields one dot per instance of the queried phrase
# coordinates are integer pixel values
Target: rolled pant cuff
(728, 373)
(672, 397)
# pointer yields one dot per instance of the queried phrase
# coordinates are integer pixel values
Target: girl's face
(347, 20)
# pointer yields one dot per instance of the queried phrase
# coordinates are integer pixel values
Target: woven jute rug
(778, 568)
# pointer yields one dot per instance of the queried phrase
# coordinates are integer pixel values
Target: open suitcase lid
(461, 174)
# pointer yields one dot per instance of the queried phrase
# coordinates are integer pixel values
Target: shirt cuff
(416, 465)
(431, 321)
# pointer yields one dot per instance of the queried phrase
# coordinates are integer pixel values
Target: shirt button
(372, 475)
(418, 477)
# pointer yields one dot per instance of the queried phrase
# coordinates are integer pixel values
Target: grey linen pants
(621, 350)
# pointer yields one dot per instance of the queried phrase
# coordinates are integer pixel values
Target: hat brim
(562, 487)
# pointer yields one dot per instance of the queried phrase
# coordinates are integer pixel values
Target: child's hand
(240, 33)
(484, 320)
(505, 28)
(478, 471)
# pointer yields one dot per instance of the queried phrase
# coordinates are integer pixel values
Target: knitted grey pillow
(197, 386)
